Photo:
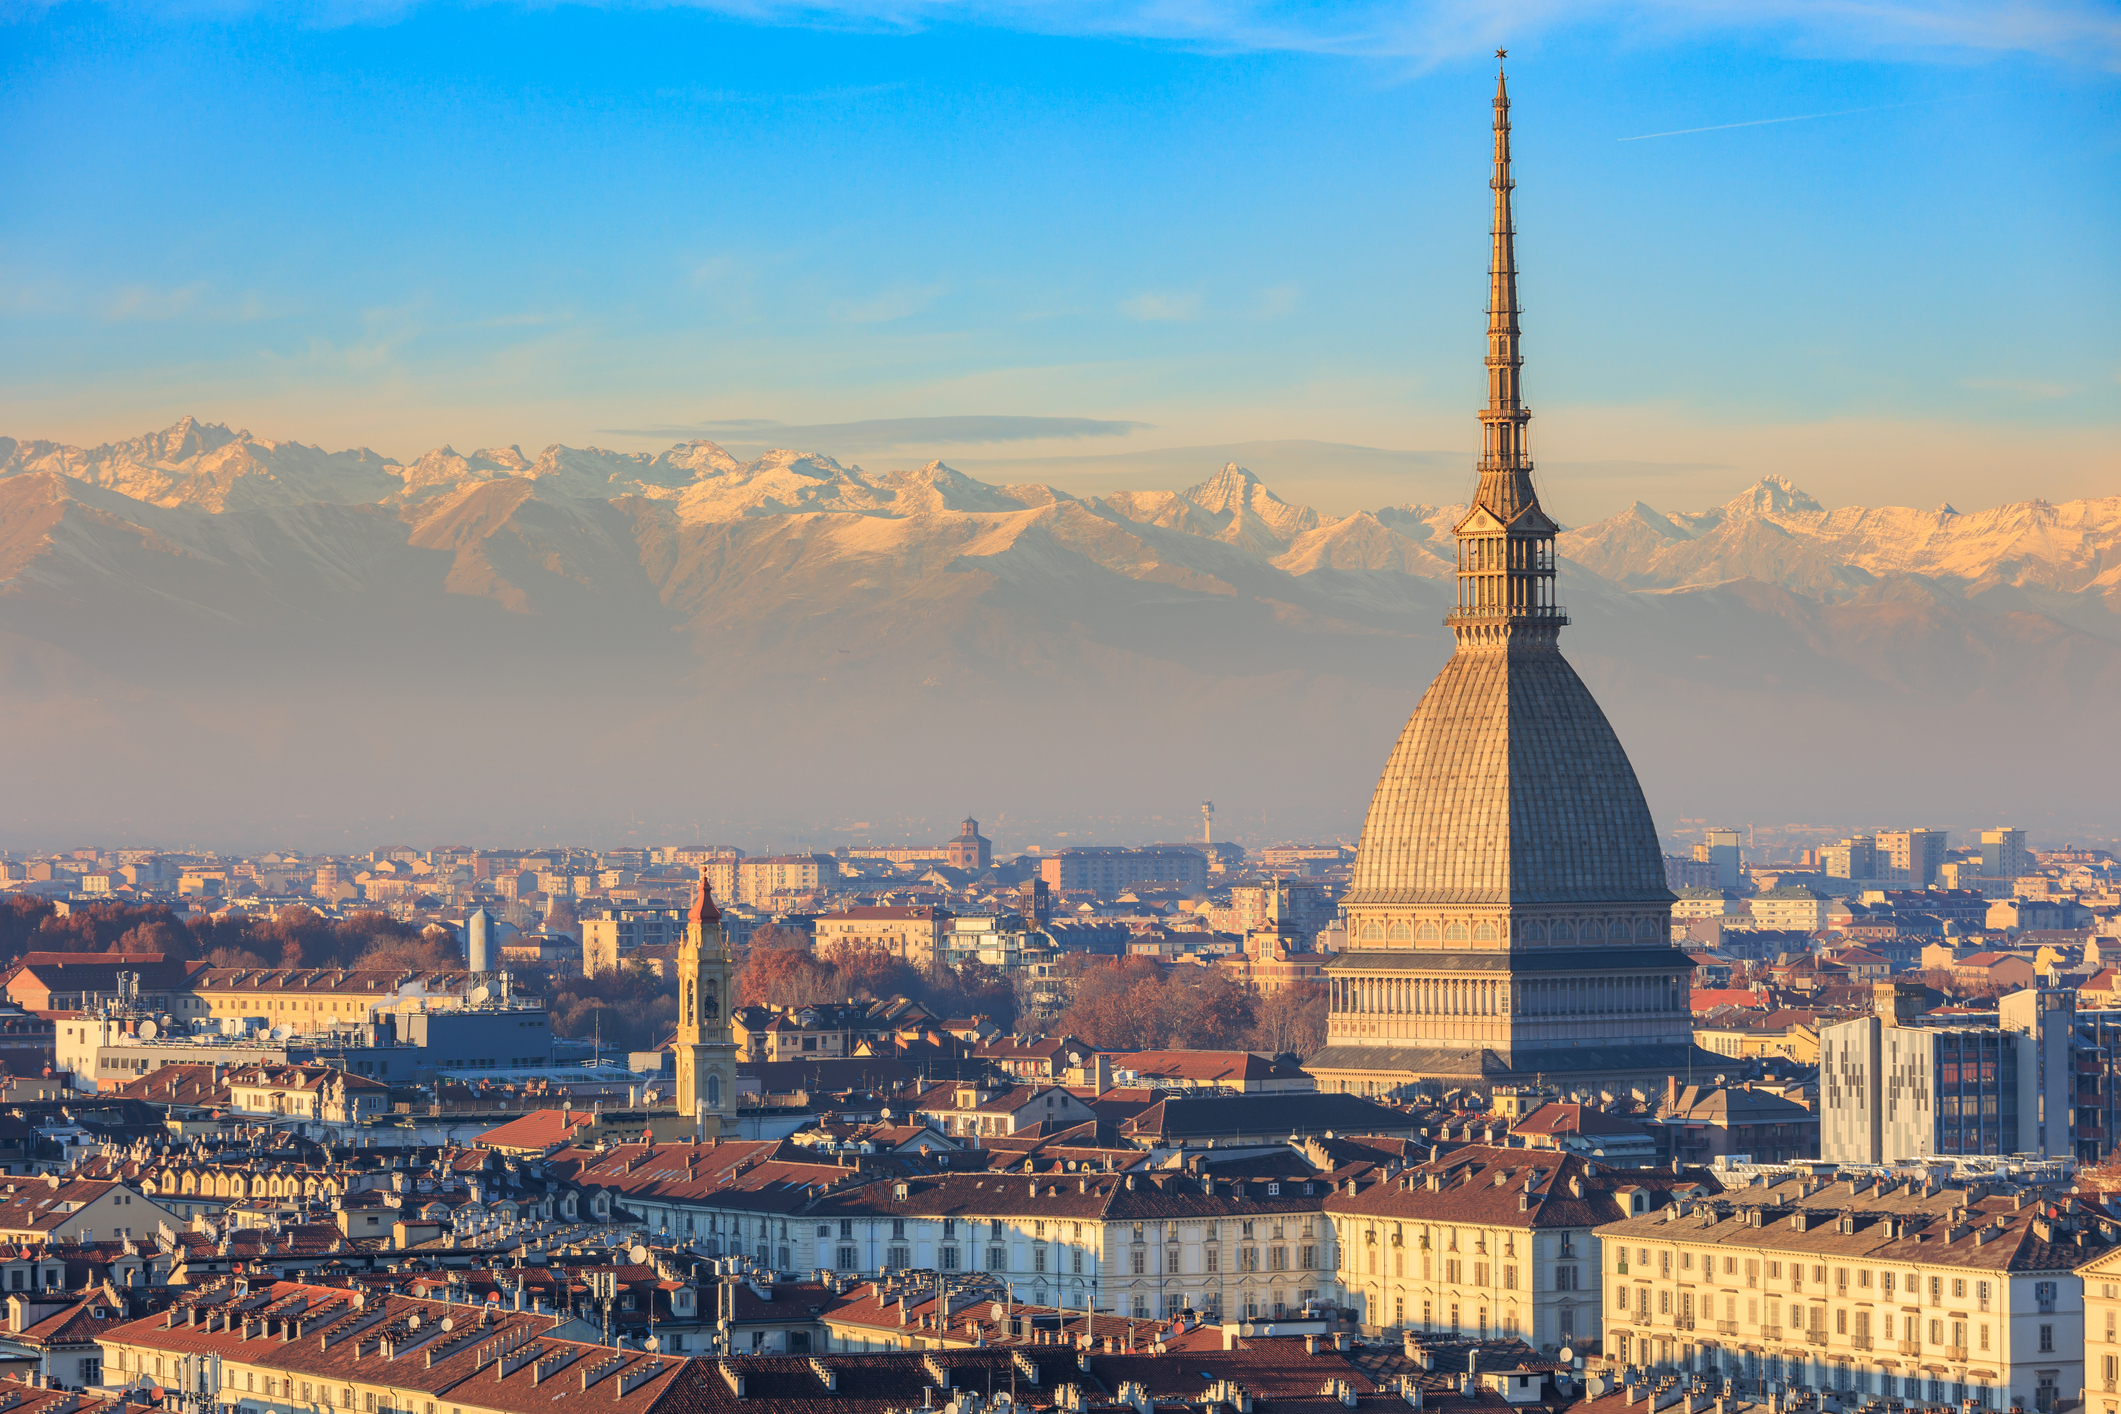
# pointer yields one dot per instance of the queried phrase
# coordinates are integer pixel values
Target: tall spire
(1505, 467)
(1505, 542)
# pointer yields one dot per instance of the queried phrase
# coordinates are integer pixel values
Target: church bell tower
(706, 1053)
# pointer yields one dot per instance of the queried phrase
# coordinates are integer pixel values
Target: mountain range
(209, 637)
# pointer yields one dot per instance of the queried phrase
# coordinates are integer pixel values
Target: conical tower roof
(1508, 784)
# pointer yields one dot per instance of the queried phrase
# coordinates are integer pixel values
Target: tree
(785, 976)
(1291, 1021)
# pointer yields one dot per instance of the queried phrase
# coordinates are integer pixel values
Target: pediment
(1478, 521)
(1534, 521)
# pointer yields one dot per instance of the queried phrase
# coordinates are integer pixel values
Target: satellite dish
(638, 1255)
(1568, 1356)
(148, 1030)
(480, 993)
(449, 1323)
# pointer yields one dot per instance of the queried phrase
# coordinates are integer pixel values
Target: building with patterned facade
(1507, 918)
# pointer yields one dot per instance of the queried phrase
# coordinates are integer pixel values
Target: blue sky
(1188, 226)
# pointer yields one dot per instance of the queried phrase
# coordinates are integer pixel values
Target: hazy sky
(1870, 246)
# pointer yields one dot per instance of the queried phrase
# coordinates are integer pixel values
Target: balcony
(1726, 1328)
(1815, 1336)
(1910, 1347)
(1861, 1342)
(1771, 1332)
(1955, 1353)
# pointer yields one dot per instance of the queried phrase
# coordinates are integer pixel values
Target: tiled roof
(1900, 1223)
(1223, 1066)
(1559, 1118)
(1107, 1197)
(1268, 1116)
(323, 979)
(33, 1205)
(540, 1129)
(77, 1325)
(401, 1339)
(178, 1085)
(1545, 1188)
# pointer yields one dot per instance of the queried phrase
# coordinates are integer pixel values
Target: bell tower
(706, 1054)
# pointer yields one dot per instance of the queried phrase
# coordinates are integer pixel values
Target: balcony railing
(1726, 1328)
(1816, 1336)
(1861, 1342)
(1956, 1353)
(1910, 1347)
(1771, 1332)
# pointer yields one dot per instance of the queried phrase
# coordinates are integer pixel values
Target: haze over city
(1784, 262)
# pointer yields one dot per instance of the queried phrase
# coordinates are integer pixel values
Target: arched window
(1533, 932)
(1593, 931)
(1400, 932)
(1455, 931)
(714, 1091)
(1484, 930)
(1373, 931)
(1562, 931)
(1428, 932)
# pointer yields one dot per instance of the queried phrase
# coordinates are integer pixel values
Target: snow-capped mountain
(235, 629)
(1776, 533)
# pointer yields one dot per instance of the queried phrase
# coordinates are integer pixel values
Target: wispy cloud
(894, 303)
(145, 302)
(1767, 122)
(1419, 31)
(1162, 305)
(1423, 31)
(1279, 300)
(885, 433)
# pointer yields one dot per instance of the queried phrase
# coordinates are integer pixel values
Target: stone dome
(1508, 786)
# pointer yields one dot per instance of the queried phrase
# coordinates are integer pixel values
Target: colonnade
(1512, 996)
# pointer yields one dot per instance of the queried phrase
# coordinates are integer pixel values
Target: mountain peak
(188, 437)
(1231, 489)
(1773, 495)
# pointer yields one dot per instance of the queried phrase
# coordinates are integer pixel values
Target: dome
(1508, 786)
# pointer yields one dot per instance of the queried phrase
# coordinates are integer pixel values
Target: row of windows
(1752, 1271)
(1837, 1373)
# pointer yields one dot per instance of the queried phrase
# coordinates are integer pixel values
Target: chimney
(1671, 1093)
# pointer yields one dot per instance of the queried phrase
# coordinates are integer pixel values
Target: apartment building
(1892, 1090)
(1791, 907)
(911, 934)
(1484, 1243)
(611, 935)
(971, 1110)
(53, 1209)
(2101, 1277)
(360, 1350)
(318, 998)
(1912, 856)
(1136, 1244)
(826, 1031)
(1868, 1286)
(756, 881)
(65, 981)
(1111, 872)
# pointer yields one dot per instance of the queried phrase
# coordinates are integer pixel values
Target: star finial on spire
(1502, 53)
